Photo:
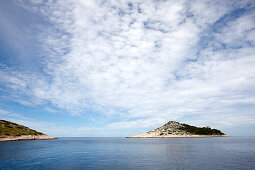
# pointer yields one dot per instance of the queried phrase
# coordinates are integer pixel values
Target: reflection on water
(129, 153)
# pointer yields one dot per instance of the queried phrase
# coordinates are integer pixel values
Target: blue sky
(118, 68)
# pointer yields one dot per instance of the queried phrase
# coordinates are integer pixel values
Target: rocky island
(12, 132)
(174, 129)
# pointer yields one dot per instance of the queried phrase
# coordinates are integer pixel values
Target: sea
(217, 153)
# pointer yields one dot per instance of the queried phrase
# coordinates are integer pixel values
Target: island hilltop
(11, 132)
(174, 129)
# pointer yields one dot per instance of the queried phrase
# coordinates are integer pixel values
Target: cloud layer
(145, 61)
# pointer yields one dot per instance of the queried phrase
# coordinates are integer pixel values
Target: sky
(102, 68)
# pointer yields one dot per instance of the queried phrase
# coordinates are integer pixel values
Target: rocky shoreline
(177, 136)
(174, 129)
(25, 137)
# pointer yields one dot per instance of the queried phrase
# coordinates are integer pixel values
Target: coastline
(176, 136)
(25, 137)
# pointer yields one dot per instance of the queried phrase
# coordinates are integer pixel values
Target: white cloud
(147, 60)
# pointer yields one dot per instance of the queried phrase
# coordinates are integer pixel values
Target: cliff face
(175, 129)
(11, 131)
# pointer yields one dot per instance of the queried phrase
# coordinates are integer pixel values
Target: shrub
(200, 131)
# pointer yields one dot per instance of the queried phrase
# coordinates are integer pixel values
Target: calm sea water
(123, 153)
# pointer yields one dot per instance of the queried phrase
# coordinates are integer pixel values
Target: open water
(217, 153)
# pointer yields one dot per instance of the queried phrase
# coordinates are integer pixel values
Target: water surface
(130, 153)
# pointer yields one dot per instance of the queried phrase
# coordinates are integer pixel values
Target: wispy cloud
(145, 60)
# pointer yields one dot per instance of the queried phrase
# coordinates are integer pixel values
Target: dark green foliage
(200, 131)
(161, 134)
(12, 129)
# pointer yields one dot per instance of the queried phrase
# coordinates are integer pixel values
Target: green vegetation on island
(12, 129)
(200, 130)
(175, 129)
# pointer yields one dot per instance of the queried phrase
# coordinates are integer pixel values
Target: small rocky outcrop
(11, 132)
(176, 129)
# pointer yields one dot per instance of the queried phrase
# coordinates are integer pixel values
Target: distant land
(174, 129)
(12, 132)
